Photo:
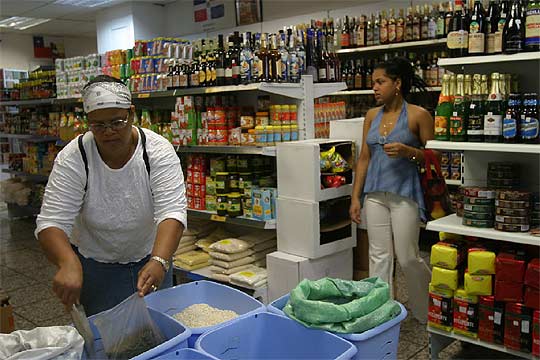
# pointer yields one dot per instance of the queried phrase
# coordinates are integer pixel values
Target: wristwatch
(162, 261)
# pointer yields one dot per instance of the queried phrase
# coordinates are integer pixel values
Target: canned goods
(478, 201)
(479, 208)
(511, 227)
(478, 223)
(514, 195)
(512, 204)
(479, 192)
(511, 212)
(512, 220)
(477, 215)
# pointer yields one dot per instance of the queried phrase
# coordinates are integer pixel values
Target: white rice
(203, 315)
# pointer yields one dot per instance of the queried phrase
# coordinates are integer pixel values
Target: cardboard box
(285, 271)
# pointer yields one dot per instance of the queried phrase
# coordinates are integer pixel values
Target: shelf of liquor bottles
(370, 92)
(393, 46)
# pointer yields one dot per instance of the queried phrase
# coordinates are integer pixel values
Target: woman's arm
(361, 169)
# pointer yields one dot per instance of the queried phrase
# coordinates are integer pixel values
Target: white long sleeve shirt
(116, 220)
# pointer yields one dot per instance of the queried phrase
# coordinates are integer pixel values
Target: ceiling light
(21, 23)
(83, 3)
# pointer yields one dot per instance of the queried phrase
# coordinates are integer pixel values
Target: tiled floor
(25, 274)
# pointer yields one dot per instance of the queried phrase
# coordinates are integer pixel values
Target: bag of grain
(230, 246)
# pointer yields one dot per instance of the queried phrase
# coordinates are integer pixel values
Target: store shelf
(500, 59)
(28, 102)
(34, 177)
(452, 224)
(493, 147)
(477, 342)
(332, 193)
(370, 91)
(387, 47)
(68, 100)
(240, 150)
(453, 182)
(324, 89)
(240, 220)
(28, 137)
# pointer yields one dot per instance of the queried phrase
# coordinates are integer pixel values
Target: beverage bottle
(219, 55)
(477, 29)
(170, 74)
(228, 64)
(494, 112)
(332, 61)
(440, 22)
(256, 67)
(514, 30)
(458, 38)
(301, 53)
(265, 59)
(284, 59)
(409, 25)
(400, 27)
(361, 36)
(235, 58)
(345, 75)
(475, 127)
(529, 127)
(532, 26)
(432, 24)
(458, 120)
(369, 31)
(322, 61)
(345, 34)
(337, 34)
(275, 60)
(353, 32)
(511, 119)
(311, 55)
(246, 60)
(358, 83)
(369, 75)
(202, 70)
(448, 17)
(443, 111)
(492, 28)
(424, 24)
(417, 25)
(392, 35)
(194, 80)
(376, 30)
(383, 28)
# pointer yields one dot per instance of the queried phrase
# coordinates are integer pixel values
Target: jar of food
(285, 133)
(270, 135)
(220, 118)
(222, 183)
(277, 134)
(294, 133)
(251, 138)
(285, 116)
(260, 135)
(245, 180)
(234, 205)
(222, 205)
(247, 120)
(275, 114)
(261, 118)
(293, 115)
(242, 164)
(232, 163)
(233, 182)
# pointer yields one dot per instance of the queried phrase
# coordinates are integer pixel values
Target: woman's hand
(67, 283)
(150, 277)
(355, 210)
(395, 150)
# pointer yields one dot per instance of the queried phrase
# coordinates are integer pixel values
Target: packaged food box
(446, 255)
(481, 262)
(517, 327)
(478, 284)
(465, 313)
(536, 334)
(532, 298)
(509, 267)
(440, 308)
(532, 275)
(444, 278)
(264, 203)
(508, 291)
(490, 320)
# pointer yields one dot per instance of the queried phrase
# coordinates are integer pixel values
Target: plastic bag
(332, 161)
(221, 270)
(42, 343)
(250, 276)
(188, 267)
(230, 257)
(230, 246)
(185, 249)
(194, 257)
(128, 330)
(342, 306)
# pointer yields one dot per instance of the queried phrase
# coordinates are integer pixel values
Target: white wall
(148, 20)
(115, 29)
(17, 50)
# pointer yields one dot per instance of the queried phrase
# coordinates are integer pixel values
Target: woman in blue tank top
(387, 180)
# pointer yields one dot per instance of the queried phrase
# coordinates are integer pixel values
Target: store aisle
(25, 274)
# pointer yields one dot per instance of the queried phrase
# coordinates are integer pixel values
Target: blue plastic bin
(185, 354)
(175, 333)
(173, 300)
(380, 342)
(271, 336)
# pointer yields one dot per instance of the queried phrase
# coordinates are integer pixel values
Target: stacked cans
(478, 207)
(503, 175)
(535, 214)
(512, 209)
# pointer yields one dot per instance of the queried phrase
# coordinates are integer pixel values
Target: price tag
(215, 217)
(525, 326)
(143, 96)
(437, 302)
(498, 318)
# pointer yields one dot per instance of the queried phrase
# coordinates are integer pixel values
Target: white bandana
(105, 95)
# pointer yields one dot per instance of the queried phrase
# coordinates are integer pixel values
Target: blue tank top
(395, 175)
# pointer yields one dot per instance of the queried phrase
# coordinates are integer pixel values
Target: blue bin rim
(188, 351)
(349, 354)
(197, 331)
(161, 348)
(353, 337)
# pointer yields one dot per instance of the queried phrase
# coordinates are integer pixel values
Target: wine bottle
(514, 30)
(458, 38)
(494, 112)
(477, 30)
(443, 111)
(532, 26)
(492, 27)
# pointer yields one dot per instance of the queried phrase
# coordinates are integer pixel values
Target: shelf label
(143, 96)
(215, 217)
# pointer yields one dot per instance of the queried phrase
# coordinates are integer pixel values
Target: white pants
(393, 228)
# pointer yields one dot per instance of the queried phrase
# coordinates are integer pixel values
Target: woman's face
(384, 87)
(111, 127)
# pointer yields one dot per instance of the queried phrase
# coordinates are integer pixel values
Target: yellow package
(465, 313)
(444, 236)
(478, 284)
(188, 267)
(445, 255)
(481, 262)
(444, 278)
(204, 244)
(194, 257)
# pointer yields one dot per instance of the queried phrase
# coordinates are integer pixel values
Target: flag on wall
(205, 10)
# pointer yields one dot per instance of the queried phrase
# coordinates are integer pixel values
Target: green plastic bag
(342, 306)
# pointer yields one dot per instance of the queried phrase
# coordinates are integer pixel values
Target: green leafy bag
(342, 306)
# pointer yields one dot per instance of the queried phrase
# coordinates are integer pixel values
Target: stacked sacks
(186, 255)
(478, 276)
(229, 256)
(253, 277)
(262, 243)
(509, 277)
(217, 234)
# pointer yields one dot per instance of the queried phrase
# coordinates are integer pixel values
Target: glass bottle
(256, 67)
(432, 24)
(246, 60)
(440, 22)
(361, 37)
(353, 32)
(322, 60)
(345, 34)
(301, 53)
(424, 23)
(458, 37)
(494, 112)
(514, 30)
(475, 127)
(529, 127)
(266, 61)
(311, 55)
(284, 59)
(458, 120)
(376, 30)
(228, 63)
(443, 111)
(219, 56)
(332, 61)
(235, 58)
(369, 31)
(383, 28)
(477, 30)
(492, 27)
(400, 27)
(417, 25)
(511, 119)
(358, 83)
(392, 35)
(532, 26)
(448, 17)
(275, 60)
(409, 25)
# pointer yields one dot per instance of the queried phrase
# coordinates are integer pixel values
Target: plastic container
(271, 336)
(176, 334)
(380, 342)
(185, 354)
(173, 300)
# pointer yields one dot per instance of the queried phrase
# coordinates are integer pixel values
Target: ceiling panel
(64, 28)
(18, 7)
(57, 11)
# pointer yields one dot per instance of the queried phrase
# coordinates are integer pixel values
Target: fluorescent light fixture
(83, 3)
(21, 22)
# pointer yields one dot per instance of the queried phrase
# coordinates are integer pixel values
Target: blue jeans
(105, 285)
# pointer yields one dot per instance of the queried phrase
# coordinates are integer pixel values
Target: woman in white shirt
(114, 208)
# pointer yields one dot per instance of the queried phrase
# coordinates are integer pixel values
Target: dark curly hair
(401, 68)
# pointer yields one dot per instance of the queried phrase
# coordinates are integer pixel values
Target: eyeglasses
(114, 125)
